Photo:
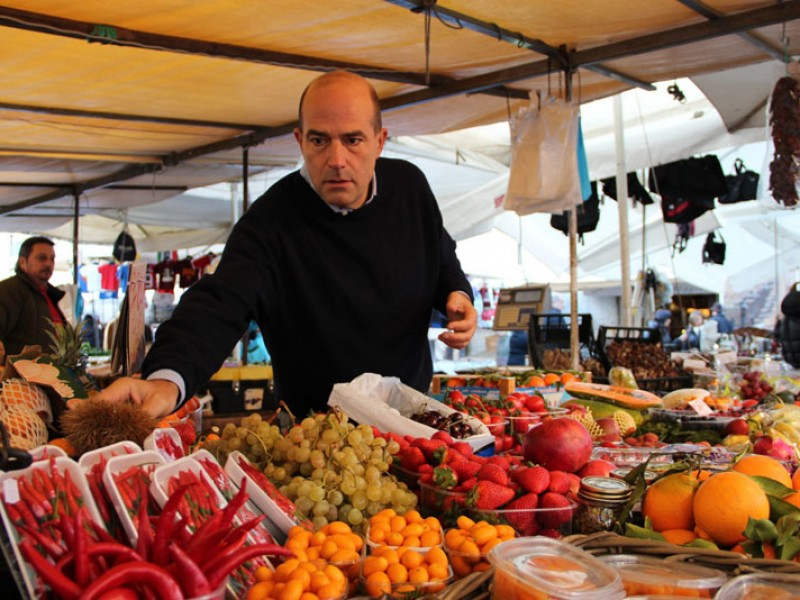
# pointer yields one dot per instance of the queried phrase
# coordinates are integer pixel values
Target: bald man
(339, 263)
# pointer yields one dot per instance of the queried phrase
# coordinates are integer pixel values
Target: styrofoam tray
(45, 452)
(91, 458)
(261, 499)
(159, 485)
(118, 464)
(150, 442)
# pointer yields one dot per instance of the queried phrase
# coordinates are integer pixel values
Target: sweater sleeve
(213, 314)
(10, 306)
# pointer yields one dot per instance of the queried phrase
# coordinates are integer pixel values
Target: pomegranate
(598, 468)
(560, 444)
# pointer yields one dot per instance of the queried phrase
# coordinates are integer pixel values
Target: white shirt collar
(338, 209)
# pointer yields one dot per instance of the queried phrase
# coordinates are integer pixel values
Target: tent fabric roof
(99, 92)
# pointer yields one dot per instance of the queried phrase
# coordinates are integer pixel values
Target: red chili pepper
(100, 533)
(25, 512)
(105, 549)
(182, 534)
(166, 525)
(14, 514)
(60, 584)
(148, 574)
(72, 504)
(81, 557)
(192, 579)
(201, 536)
(99, 498)
(144, 539)
(49, 545)
(242, 555)
(210, 550)
(28, 496)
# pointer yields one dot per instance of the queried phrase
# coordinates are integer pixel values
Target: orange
(330, 591)
(679, 536)
(796, 480)
(394, 538)
(793, 499)
(454, 537)
(390, 554)
(460, 566)
(412, 541)
(260, 591)
(505, 532)
(378, 584)
(334, 575)
(263, 573)
(668, 502)
(397, 523)
(292, 590)
(469, 549)
(535, 381)
(464, 522)
(765, 466)
(438, 571)
(373, 564)
(701, 475)
(551, 378)
(567, 377)
(397, 573)
(436, 556)
(411, 559)
(418, 575)
(724, 503)
(309, 596)
(413, 516)
(430, 538)
(65, 445)
(489, 545)
(337, 527)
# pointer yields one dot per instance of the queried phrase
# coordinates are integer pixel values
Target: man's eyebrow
(311, 132)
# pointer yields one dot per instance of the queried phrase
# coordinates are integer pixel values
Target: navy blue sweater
(335, 295)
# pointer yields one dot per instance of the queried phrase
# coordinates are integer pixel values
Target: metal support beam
(76, 216)
(520, 40)
(68, 186)
(120, 36)
(756, 40)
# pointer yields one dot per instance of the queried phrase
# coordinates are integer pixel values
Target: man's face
(339, 142)
(39, 264)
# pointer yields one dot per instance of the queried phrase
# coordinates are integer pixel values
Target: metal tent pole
(75, 223)
(574, 342)
(622, 210)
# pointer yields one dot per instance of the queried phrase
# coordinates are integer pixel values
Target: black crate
(609, 333)
(658, 385)
(552, 331)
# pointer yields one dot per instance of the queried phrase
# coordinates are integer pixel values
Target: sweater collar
(338, 209)
(49, 289)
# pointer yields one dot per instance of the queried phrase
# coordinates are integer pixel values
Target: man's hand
(462, 321)
(157, 397)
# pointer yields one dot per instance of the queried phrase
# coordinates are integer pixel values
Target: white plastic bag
(387, 404)
(544, 175)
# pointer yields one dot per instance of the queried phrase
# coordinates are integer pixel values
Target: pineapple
(67, 342)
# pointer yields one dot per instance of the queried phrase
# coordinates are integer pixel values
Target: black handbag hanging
(635, 189)
(688, 187)
(588, 215)
(741, 186)
(713, 250)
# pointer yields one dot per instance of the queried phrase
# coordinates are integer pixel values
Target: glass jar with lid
(600, 503)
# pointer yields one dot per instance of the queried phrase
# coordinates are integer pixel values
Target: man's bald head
(343, 78)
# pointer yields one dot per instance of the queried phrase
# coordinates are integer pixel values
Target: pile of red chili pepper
(79, 560)
(167, 445)
(94, 476)
(286, 505)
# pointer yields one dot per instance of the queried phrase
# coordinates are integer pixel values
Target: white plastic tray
(150, 442)
(118, 464)
(261, 499)
(91, 458)
(45, 452)
(159, 485)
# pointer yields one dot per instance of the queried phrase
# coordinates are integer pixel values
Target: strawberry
(467, 485)
(428, 447)
(488, 495)
(553, 519)
(443, 436)
(466, 469)
(524, 523)
(500, 461)
(559, 482)
(412, 458)
(445, 477)
(532, 479)
(426, 478)
(492, 472)
(462, 447)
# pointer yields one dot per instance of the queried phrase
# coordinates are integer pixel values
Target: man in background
(724, 324)
(28, 303)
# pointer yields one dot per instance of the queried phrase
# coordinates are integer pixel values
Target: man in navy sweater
(339, 263)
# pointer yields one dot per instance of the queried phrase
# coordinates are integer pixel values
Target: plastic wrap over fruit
(622, 377)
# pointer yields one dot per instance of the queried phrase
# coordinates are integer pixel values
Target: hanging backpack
(714, 251)
(124, 248)
(688, 187)
(588, 215)
(635, 189)
(741, 186)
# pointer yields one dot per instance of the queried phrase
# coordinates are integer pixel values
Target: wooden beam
(518, 39)
(144, 188)
(120, 36)
(70, 155)
(756, 40)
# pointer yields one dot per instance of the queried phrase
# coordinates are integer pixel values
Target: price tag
(11, 491)
(700, 407)
(726, 357)
(692, 363)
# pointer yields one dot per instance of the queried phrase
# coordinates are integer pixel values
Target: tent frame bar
(121, 36)
(518, 39)
(68, 186)
(756, 40)
(759, 17)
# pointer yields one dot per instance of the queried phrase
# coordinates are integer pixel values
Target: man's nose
(336, 154)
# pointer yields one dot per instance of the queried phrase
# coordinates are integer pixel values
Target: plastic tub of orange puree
(648, 575)
(541, 568)
(761, 586)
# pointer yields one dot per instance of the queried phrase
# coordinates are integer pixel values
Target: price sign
(700, 407)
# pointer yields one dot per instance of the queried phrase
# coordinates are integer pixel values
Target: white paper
(387, 404)
(700, 407)
(10, 491)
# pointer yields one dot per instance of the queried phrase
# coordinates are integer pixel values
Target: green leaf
(780, 508)
(788, 526)
(701, 543)
(760, 530)
(635, 531)
(753, 548)
(772, 487)
(790, 548)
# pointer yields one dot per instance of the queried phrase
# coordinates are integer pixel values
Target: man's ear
(382, 138)
(298, 135)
